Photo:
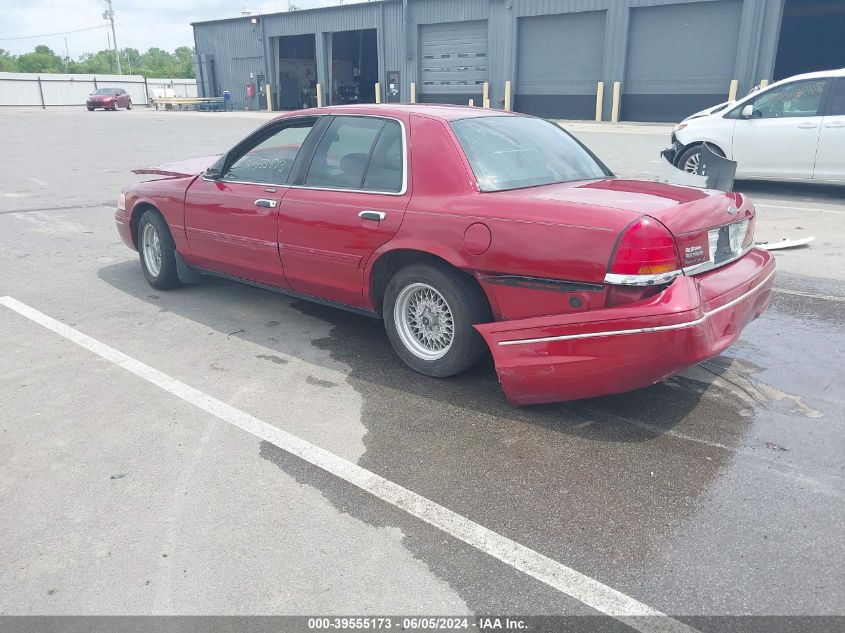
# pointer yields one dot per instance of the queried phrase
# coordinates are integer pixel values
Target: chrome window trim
(659, 328)
(401, 192)
(245, 182)
(271, 122)
(641, 280)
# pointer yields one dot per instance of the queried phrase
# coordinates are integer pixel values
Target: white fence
(33, 89)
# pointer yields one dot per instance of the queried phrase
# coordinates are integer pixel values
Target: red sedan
(465, 230)
(109, 99)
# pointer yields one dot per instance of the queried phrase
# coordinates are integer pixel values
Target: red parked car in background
(465, 230)
(109, 99)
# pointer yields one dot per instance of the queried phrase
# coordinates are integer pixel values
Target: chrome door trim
(404, 188)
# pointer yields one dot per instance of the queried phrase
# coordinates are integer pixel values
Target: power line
(30, 37)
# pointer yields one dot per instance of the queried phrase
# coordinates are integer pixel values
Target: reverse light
(121, 201)
(646, 255)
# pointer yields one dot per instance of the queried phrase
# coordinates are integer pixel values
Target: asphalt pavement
(159, 477)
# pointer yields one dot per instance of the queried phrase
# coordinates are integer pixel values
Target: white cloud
(140, 24)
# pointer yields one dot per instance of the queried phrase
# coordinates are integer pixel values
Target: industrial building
(670, 57)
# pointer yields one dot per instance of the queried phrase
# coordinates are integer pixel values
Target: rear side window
(511, 152)
(384, 173)
(343, 153)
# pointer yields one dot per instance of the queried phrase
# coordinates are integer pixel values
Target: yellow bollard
(599, 100)
(472, 103)
(269, 98)
(413, 92)
(508, 95)
(319, 95)
(763, 83)
(378, 93)
(485, 95)
(733, 90)
(617, 93)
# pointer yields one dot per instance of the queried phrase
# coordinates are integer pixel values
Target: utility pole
(109, 15)
(67, 56)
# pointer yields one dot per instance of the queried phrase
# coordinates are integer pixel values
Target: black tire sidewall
(687, 153)
(167, 276)
(467, 304)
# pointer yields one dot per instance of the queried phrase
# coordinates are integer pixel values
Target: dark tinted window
(509, 152)
(270, 161)
(341, 157)
(384, 173)
(837, 103)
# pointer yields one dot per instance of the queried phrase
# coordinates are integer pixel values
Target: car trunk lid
(710, 227)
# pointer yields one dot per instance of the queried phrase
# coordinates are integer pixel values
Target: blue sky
(139, 23)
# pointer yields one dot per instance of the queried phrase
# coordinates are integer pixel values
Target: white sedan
(792, 130)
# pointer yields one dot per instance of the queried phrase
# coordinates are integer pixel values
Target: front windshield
(106, 91)
(511, 152)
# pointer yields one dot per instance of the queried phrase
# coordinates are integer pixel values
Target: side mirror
(748, 111)
(212, 174)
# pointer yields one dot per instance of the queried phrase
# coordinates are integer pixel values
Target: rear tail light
(646, 255)
(749, 233)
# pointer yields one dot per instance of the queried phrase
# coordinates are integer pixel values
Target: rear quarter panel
(527, 238)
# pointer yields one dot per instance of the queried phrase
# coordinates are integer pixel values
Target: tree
(41, 60)
(8, 63)
(154, 63)
(184, 61)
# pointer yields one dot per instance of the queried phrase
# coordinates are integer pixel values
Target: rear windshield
(106, 91)
(510, 152)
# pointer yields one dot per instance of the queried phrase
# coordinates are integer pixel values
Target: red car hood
(190, 167)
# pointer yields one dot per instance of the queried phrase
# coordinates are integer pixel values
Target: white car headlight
(679, 127)
(121, 201)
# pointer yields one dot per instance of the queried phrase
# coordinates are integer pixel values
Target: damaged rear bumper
(573, 356)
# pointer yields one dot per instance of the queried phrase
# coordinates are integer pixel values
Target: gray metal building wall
(235, 46)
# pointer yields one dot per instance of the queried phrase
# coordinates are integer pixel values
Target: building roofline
(314, 10)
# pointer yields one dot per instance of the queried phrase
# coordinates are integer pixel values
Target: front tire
(129, 105)
(429, 311)
(157, 251)
(690, 160)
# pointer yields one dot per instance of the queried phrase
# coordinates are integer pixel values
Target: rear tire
(429, 311)
(129, 106)
(157, 251)
(90, 109)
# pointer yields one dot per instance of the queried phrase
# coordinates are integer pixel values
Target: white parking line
(792, 208)
(557, 575)
(811, 295)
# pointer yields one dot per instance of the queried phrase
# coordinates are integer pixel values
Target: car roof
(445, 112)
(820, 74)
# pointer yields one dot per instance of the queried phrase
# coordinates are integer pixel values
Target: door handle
(807, 126)
(378, 216)
(835, 124)
(264, 202)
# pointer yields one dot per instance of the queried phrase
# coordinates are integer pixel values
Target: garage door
(559, 64)
(681, 59)
(453, 61)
